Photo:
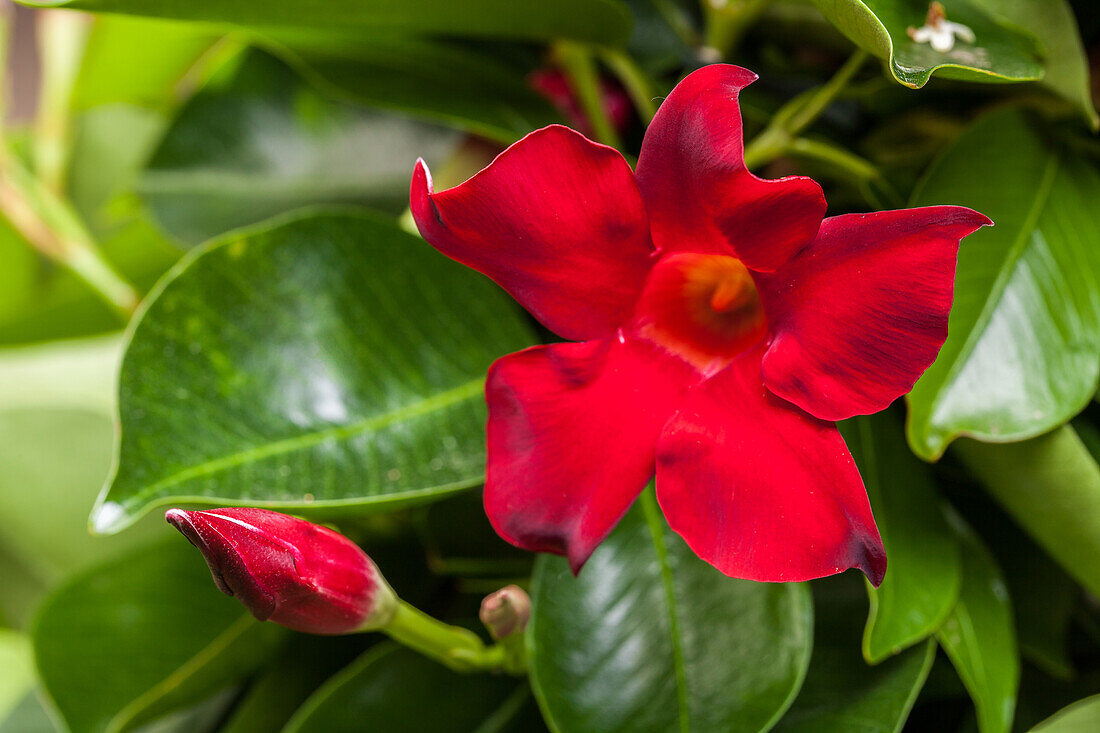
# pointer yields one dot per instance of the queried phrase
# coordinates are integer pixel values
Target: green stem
(453, 646)
(633, 80)
(847, 162)
(62, 35)
(584, 78)
(799, 113)
(678, 21)
(727, 21)
(51, 226)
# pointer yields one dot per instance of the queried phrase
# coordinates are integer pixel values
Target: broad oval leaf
(597, 21)
(457, 85)
(129, 640)
(651, 638)
(980, 638)
(264, 142)
(288, 680)
(391, 688)
(1000, 52)
(1051, 487)
(1082, 716)
(924, 572)
(842, 693)
(1065, 63)
(328, 364)
(1021, 356)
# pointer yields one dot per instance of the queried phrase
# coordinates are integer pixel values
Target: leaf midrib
(307, 440)
(654, 523)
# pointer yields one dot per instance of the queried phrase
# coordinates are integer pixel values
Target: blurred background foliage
(136, 130)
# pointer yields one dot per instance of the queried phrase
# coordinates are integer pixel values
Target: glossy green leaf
(328, 364)
(1082, 716)
(16, 670)
(1043, 595)
(459, 86)
(598, 21)
(1064, 60)
(1051, 487)
(924, 571)
(1000, 52)
(288, 680)
(391, 688)
(842, 693)
(1024, 333)
(979, 637)
(265, 143)
(137, 637)
(651, 638)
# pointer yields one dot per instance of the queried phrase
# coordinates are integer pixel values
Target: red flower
(288, 570)
(723, 326)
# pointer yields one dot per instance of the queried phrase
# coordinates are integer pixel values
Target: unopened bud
(290, 571)
(506, 611)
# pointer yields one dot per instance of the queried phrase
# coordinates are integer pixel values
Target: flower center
(705, 308)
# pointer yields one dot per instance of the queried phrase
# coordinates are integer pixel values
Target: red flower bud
(295, 573)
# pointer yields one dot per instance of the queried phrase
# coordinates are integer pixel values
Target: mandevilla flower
(288, 570)
(722, 325)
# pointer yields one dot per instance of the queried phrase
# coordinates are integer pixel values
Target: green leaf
(61, 306)
(16, 670)
(1024, 332)
(285, 683)
(148, 633)
(1043, 595)
(153, 70)
(1082, 716)
(597, 21)
(1064, 59)
(396, 689)
(28, 716)
(925, 571)
(842, 693)
(17, 277)
(1051, 487)
(265, 143)
(460, 86)
(56, 436)
(1001, 52)
(651, 638)
(329, 364)
(979, 637)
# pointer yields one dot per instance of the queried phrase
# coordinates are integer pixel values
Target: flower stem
(453, 646)
(584, 78)
(62, 36)
(633, 80)
(798, 114)
(51, 226)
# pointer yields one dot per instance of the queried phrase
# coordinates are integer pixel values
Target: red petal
(859, 315)
(556, 220)
(572, 428)
(700, 196)
(761, 490)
